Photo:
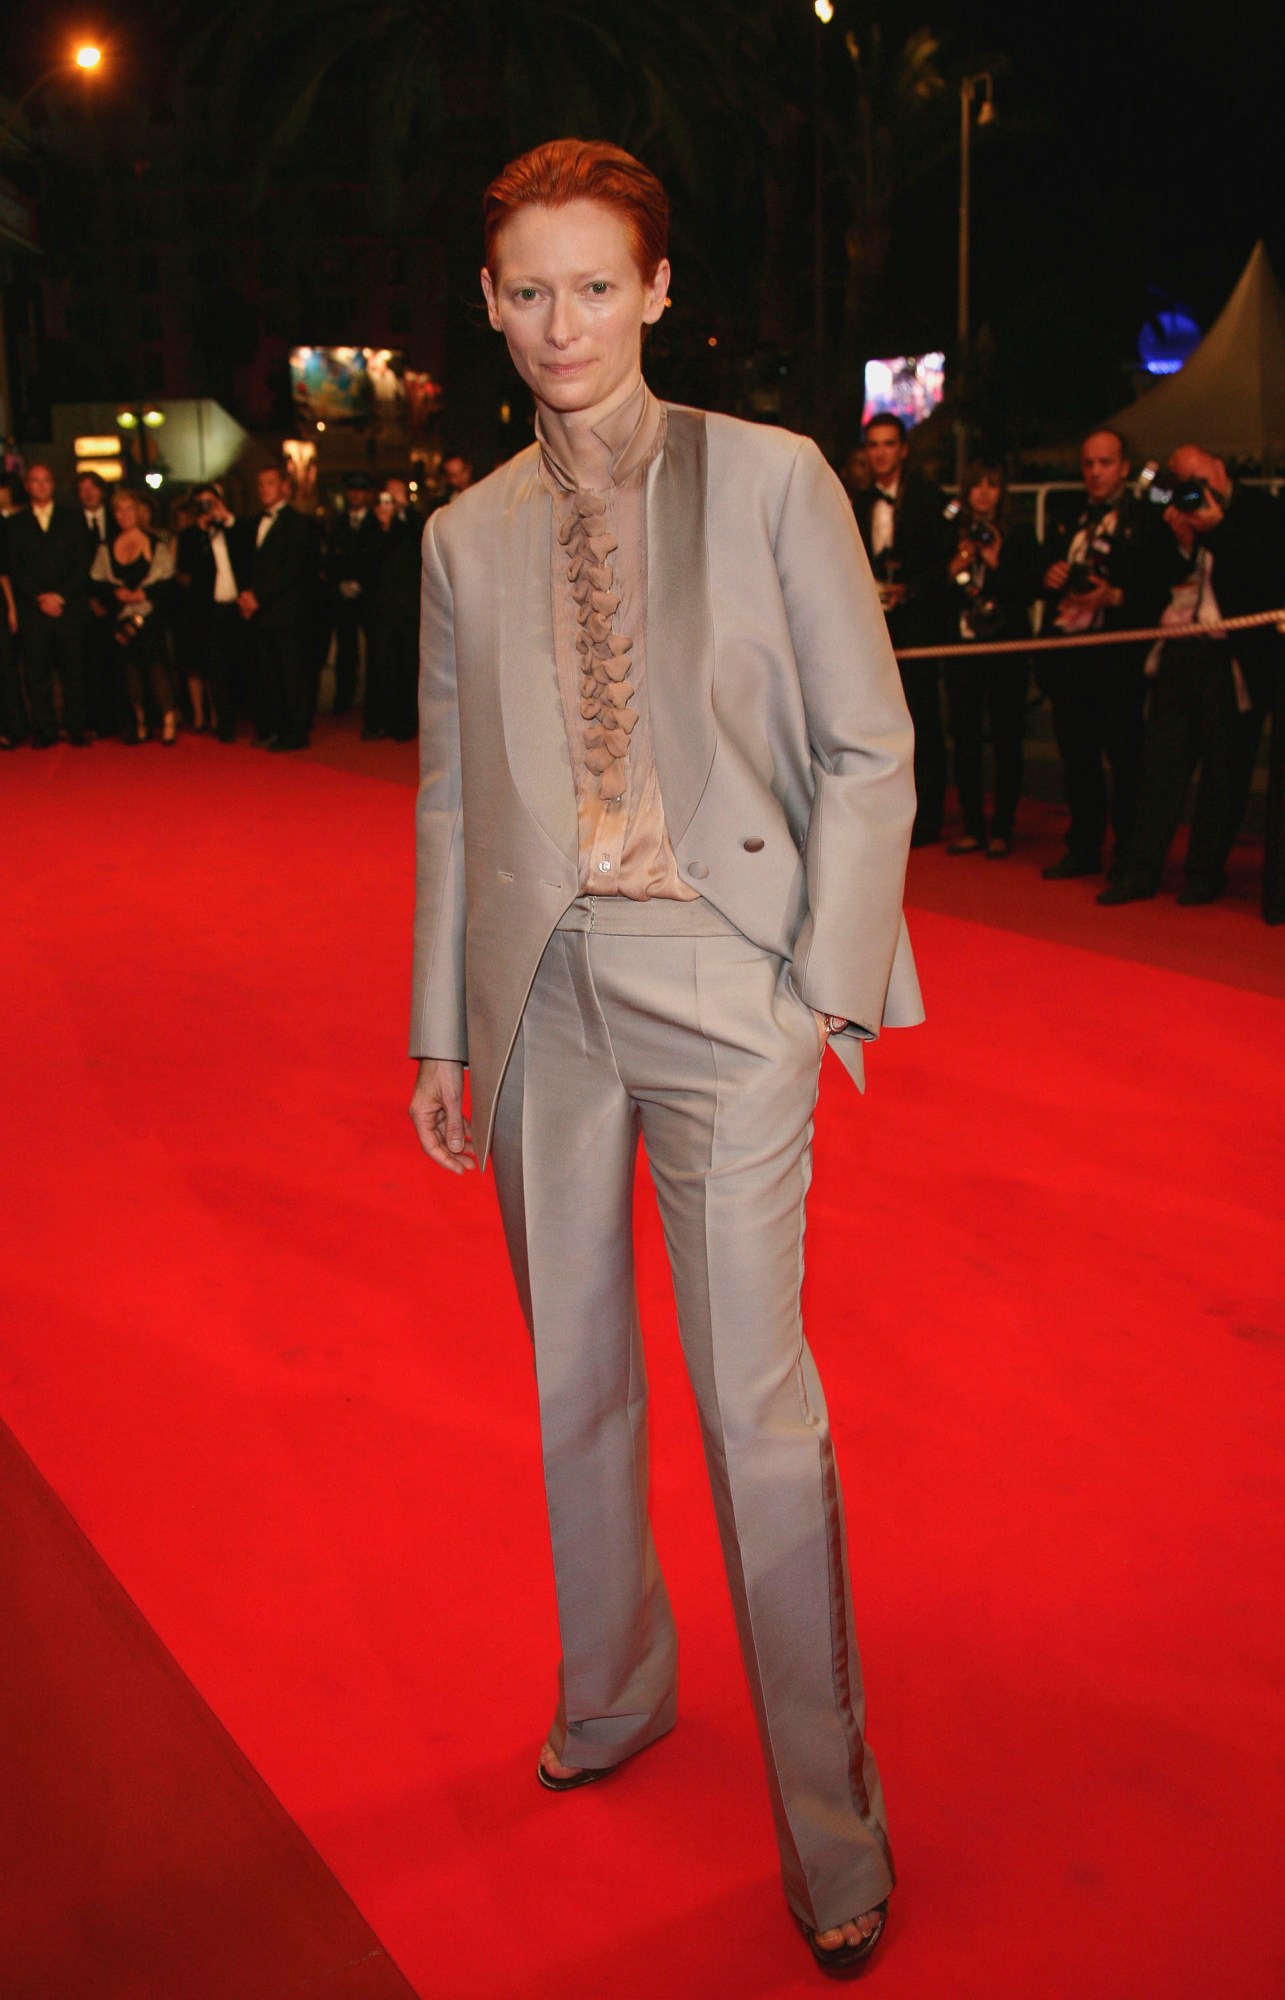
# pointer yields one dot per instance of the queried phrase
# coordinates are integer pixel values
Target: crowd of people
(220, 622)
(1133, 721)
(118, 626)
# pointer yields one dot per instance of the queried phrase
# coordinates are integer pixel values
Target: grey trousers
(700, 1041)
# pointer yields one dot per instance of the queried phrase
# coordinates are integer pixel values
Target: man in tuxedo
(356, 544)
(206, 575)
(1109, 571)
(900, 515)
(102, 655)
(278, 575)
(49, 575)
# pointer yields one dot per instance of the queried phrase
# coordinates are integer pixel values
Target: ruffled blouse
(599, 582)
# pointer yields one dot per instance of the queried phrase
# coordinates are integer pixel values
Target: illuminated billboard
(348, 385)
(909, 386)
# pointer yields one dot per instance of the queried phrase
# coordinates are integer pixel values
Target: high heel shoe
(586, 1777)
(169, 731)
(845, 1961)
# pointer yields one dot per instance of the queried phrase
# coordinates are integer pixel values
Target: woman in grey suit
(663, 817)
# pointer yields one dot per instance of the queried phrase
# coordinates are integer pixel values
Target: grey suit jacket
(782, 740)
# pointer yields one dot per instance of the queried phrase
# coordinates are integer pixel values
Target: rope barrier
(970, 648)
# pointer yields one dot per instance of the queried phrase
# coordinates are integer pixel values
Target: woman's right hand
(437, 1113)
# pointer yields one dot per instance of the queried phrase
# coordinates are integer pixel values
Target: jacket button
(698, 870)
(754, 846)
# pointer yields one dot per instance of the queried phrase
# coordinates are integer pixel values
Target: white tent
(1230, 396)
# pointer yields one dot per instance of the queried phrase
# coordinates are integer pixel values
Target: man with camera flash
(1108, 572)
(1210, 695)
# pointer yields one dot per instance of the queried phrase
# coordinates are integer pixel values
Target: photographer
(206, 580)
(993, 574)
(900, 518)
(1211, 694)
(1109, 572)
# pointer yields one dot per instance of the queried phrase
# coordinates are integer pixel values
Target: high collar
(632, 434)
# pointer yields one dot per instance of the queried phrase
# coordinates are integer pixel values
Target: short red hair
(568, 170)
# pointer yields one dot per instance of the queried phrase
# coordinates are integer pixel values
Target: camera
(1165, 489)
(974, 533)
(1091, 570)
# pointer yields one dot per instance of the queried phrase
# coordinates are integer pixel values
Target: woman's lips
(564, 367)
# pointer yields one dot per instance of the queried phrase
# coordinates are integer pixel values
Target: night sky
(1130, 154)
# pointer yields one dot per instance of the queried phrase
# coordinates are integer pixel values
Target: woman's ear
(657, 297)
(488, 293)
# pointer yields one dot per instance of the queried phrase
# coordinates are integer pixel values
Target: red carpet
(273, 1367)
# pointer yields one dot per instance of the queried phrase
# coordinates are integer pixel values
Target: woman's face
(569, 301)
(983, 497)
(125, 509)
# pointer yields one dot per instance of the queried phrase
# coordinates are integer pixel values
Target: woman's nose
(561, 330)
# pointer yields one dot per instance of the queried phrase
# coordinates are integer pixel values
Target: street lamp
(968, 90)
(824, 11)
(87, 57)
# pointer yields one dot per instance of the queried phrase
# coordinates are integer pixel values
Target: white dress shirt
(225, 590)
(883, 520)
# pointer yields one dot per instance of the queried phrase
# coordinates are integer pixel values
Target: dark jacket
(1248, 548)
(194, 560)
(284, 573)
(53, 558)
(1139, 562)
(1012, 586)
(922, 545)
(353, 555)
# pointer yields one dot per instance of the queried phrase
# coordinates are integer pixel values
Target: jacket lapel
(535, 737)
(680, 625)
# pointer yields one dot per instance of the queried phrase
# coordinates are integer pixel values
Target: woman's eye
(600, 288)
(526, 293)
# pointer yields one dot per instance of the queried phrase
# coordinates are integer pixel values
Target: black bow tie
(891, 498)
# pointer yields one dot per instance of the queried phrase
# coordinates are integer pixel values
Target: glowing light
(127, 421)
(154, 479)
(97, 447)
(713, 340)
(106, 469)
(321, 426)
(824, 11)
(153, 419)
(88, 57)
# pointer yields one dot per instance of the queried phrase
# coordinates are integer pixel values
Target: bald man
(1108, 570)
(1210, 695)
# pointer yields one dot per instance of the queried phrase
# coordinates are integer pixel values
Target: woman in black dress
(132, 573)
(993, 574)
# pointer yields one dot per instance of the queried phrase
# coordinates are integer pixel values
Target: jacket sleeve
(862, 744)
(438, 1023)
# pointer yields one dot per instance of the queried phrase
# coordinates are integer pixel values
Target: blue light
(1167, 339)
